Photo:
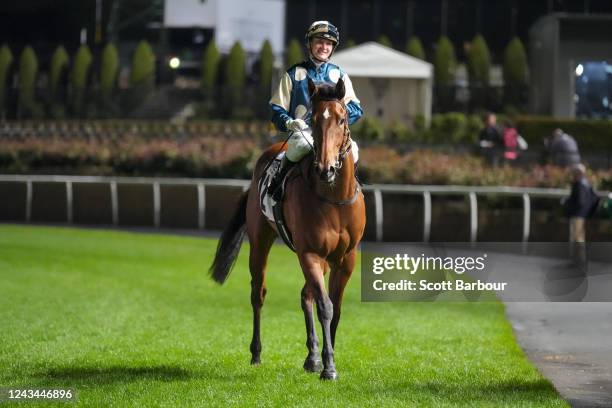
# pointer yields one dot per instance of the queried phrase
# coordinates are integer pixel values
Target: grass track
(133, 320)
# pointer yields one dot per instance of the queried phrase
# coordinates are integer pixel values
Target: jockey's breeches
(300, 143)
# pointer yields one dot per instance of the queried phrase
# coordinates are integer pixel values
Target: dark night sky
(46, 23)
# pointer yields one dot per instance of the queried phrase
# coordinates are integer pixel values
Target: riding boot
(275, 184)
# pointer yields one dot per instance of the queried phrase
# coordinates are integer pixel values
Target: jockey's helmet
(323, 29)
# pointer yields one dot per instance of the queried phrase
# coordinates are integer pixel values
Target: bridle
(346, 143)
(345, 148)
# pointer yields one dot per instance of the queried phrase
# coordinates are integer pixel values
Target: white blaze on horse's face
(330, 128)
(326, 113)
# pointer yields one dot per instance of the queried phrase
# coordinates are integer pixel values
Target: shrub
(415, 48)
(447, 128)
(515, 72)
(369, 128)
(479, 62)
(384, 40)
(515, 64)
(294, 53)
(444, 62)
(266, 62)
(590, 134)
(210, 69)
(28, 73)
(349, 43)
(109, 70)
(142, 73)
(79, 78)
(59, 65)
(6, 60)
(235, 75)
(400, 132)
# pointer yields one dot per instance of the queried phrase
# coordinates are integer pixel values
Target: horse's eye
(341, 122)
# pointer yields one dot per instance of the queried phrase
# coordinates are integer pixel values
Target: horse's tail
(229, 243)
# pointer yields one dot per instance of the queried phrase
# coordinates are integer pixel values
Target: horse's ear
(312, 88)
(340, 91)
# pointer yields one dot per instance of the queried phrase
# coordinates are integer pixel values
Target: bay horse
(325, 214)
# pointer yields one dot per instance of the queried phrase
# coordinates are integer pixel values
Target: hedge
(207, 156)
(590, 134)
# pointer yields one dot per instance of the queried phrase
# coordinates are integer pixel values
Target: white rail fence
(425, 192)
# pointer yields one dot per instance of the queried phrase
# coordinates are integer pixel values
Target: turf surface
(132, 319)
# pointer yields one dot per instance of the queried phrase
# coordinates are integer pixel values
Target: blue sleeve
(279, 117)
(354, 112)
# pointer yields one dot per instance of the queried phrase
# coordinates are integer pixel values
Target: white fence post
(473, 216)
(426, 216)
(378, 211)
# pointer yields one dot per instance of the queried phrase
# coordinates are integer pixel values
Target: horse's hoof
(329, 375)
(313, 365)
(255, 360)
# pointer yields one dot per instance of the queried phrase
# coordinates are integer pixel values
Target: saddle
(271, 209)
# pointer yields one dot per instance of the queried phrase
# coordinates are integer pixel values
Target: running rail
(471, 192)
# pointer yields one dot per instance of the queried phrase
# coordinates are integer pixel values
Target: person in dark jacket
(491, 140)
(578, 208)
(563, 149)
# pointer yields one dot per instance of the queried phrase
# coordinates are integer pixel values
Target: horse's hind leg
(337, 282)
(260, 248)
(313, 360)
(312, 266)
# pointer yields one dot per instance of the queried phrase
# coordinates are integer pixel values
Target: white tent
(391, 85)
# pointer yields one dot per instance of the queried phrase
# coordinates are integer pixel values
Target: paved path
(571, 344)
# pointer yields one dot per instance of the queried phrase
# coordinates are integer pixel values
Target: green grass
(133, 319)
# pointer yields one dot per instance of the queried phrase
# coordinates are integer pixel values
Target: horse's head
(329, 128)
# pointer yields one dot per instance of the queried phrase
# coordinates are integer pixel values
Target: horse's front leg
(313, 266)
(337, 282)
(313, 360)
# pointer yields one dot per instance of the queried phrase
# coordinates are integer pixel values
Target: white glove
(296, 124)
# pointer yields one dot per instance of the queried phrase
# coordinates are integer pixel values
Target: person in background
(579, 206)
(510, 136)
(491, 140)
(563, 149)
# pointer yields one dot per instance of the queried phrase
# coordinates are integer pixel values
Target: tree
(59, 67)
(294, 53)
(444, 62)
(28, 71)
(479, 62)
(515, 63)
(6, 60)
(264, 66)
(515, 73)
(235, 75)
(142, 73)
(350, 43)
(414, 47)
(384, 40)
(109, 70)
(210, 69)
(78, 79)
(266, 63)
(142, 77)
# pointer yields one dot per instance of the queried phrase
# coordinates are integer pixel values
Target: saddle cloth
(265, 200)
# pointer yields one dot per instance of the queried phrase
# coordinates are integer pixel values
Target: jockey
(291, 103)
